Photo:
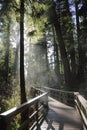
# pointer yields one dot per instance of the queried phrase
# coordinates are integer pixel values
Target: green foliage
(14, 100)
(37, 21)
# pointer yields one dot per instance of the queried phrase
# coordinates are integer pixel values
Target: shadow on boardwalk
(61, 117)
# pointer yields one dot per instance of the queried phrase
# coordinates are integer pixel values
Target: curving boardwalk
(61, 117)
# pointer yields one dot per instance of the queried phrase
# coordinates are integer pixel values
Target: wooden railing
(66, 97)
(72, 99)
(36, 110)
(81, 106)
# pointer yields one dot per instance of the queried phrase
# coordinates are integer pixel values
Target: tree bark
(24, 115)
(80, 51)
(56, 57)
(22, 75)
(7, 51)
(63, 52)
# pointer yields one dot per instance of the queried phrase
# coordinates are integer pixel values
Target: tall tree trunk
(7, 51)
(47, 63)
(63, 52)
(24, 115)
(71, 49)
(56, 58)
(80, 52)
(22, 75)
(16, 66)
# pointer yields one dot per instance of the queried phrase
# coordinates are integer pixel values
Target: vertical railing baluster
(37, 105)
(47, 101)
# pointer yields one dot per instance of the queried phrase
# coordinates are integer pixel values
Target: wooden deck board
(61, 117)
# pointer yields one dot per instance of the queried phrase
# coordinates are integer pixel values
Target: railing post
(75, 99)
(24, 117)
(3, 124)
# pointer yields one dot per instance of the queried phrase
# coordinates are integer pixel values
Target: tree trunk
(56, 57)
(71, 49)
(62, 49)
(7, 51)
(22, 75)
(80, 52)
(24, 115)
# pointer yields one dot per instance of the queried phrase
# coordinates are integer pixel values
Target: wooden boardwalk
(61, 117)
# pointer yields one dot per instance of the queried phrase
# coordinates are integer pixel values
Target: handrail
(73, 99)
(66, 97)
(81, 106)
(64, 91)
(40, 106)
(35, 91)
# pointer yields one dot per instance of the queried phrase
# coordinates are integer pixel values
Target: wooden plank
(61, 117)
